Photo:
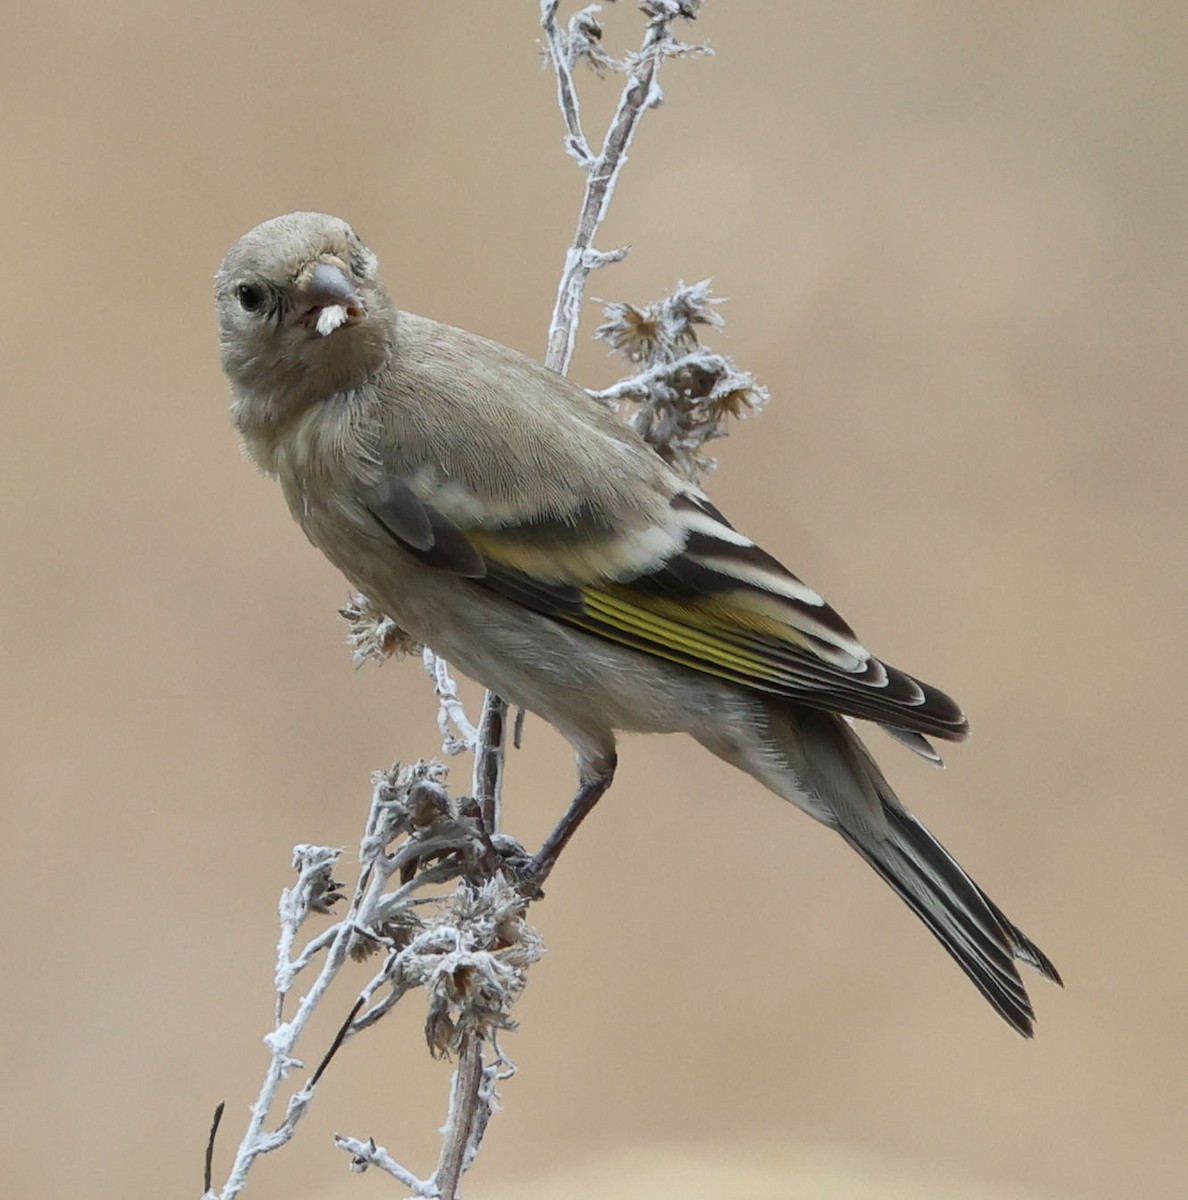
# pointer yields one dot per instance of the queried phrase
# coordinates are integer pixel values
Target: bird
(500, 514)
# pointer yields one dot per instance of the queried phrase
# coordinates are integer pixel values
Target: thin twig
(368, 1154)
(639, 94)
(460, 1128)
(216, 1120)
(343, 1030)
(567, 97)
(457, 733)
(488, 762)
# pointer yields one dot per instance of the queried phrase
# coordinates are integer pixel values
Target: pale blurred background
(954, 237)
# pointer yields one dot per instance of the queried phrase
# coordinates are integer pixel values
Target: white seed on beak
(330, 318)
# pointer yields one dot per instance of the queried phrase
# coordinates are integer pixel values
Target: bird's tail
(970, 926)
(828, 771)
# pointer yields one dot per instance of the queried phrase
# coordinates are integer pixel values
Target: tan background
(955, 241)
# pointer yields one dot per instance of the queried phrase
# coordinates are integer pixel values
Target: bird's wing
(693, 591)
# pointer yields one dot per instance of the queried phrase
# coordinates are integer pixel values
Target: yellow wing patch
(675, 639)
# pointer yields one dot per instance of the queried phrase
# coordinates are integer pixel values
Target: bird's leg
(588, 794)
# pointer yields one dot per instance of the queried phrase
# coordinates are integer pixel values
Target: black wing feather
(422, 530)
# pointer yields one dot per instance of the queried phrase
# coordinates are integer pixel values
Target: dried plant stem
(468, 949)
(463, 1119)
(284, 1036)
(639, 94)
(369, 1154)
(488, 761)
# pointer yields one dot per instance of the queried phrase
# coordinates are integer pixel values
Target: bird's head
(302, 314)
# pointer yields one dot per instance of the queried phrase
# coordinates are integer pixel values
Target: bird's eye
(250, 296)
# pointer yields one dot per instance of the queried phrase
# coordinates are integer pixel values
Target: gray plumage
(505, 518)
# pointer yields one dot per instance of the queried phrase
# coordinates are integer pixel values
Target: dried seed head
(374, 637)
(684, 392)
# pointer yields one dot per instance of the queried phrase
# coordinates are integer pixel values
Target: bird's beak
(327, 298)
